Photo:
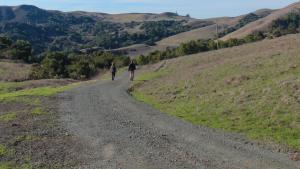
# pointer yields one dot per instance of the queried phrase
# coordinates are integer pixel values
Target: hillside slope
(252, 89)
(49, 30)
(264, 23)
(209, 32)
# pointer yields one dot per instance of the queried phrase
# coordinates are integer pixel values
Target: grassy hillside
(208, 32)
(252, 89)
(225, 25)
(263, 24)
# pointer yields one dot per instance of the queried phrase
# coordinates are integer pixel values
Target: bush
(54, 65)
(21, 50)
(82, 69)
(60, 65)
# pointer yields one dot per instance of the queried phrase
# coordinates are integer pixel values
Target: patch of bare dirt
(38, 140)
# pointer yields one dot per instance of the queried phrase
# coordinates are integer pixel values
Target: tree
(5, 42)
(82, 69)
(142, 60)
(22, 50)
(54, 65)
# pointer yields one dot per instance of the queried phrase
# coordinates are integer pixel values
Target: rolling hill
(130, 34)
(49, 30)
(264, 23)
(209, 32)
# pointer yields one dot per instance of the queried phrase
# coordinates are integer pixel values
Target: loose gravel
(121, 133)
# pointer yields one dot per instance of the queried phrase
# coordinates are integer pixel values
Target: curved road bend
(121, 133)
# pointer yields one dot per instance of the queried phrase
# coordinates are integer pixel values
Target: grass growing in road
(3, 150)
(38, 111)
(253, 89)
(8, 117)
(9, 166)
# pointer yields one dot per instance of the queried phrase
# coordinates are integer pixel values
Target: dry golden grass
(252, 89)
(14, 71)
(207, 32)
(141, 17)
(262, 24)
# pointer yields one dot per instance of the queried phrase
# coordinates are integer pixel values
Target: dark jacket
(131, 67)
(113, 69)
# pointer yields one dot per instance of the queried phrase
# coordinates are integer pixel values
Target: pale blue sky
(196, 8)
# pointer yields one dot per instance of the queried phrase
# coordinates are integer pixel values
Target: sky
(195, 8)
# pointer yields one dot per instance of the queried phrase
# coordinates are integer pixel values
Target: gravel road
(121, 133)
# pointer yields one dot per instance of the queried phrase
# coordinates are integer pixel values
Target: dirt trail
(121, 133)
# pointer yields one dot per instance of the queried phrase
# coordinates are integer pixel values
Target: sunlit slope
(252, 89)
(264, 23)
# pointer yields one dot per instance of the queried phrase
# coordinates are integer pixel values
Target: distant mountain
(50, 30)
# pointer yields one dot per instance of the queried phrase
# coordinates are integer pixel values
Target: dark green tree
(54, 65)
(22, 50)
(84, 68)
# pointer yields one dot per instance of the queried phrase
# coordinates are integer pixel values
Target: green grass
(10, 166)
(38, 111)
(262, 102)
(2, 71)
(40, 91)
(5, 166)
(27, 138)
(3, 150)
(26, 166)
(151, 75)
(6, 87)
(8, 117)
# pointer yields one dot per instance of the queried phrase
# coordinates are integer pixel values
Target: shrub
(84, 68)
(54, 65)
(22, 50)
